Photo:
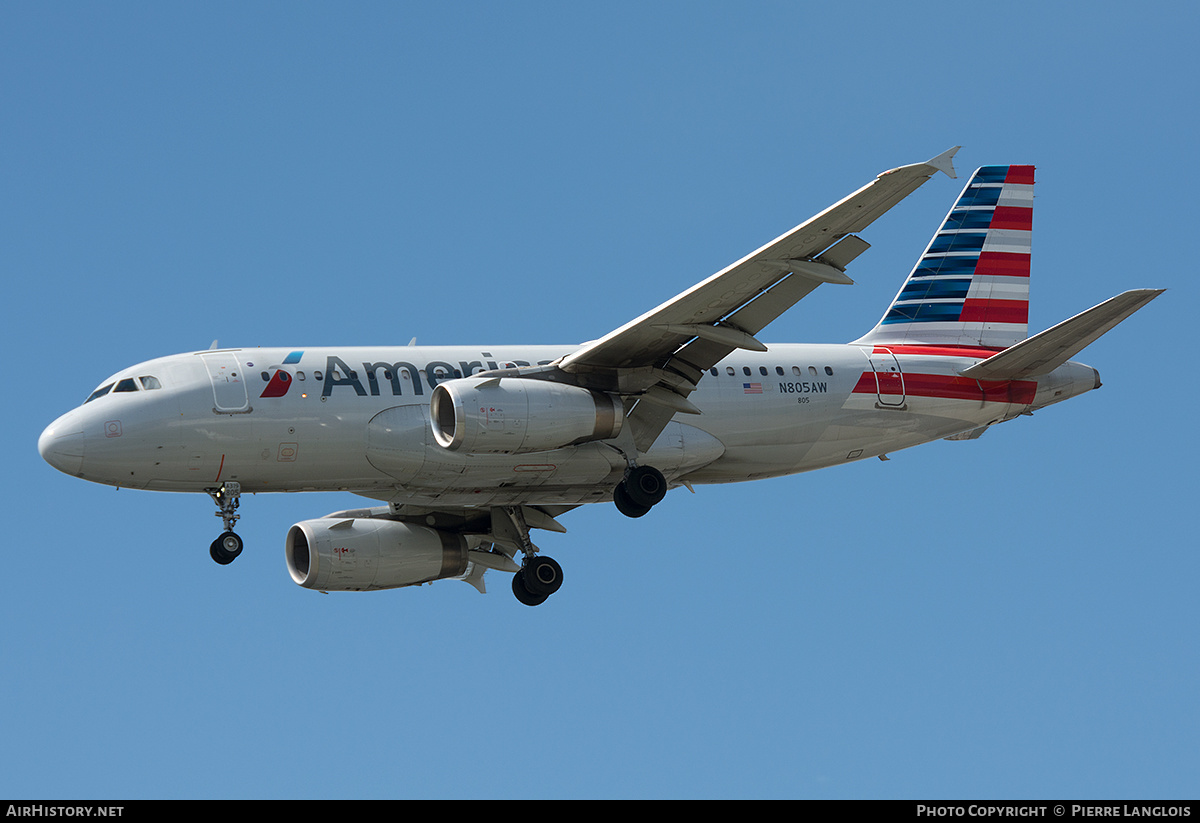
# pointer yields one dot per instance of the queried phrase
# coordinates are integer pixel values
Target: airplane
(473, 447)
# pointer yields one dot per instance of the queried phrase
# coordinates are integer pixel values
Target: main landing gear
(539, 576)
(537, 579)
(642, 488)
(228, 546)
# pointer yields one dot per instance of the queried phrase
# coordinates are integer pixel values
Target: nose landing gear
(228, 546)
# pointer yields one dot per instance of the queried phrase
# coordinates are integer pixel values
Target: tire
(523, 594)
(646, 486)
(226, 548)
(625, 505)
(542, 576)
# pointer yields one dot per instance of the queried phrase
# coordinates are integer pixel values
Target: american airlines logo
(376, 378)
(281, 380)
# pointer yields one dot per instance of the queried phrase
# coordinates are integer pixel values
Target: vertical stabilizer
(971, 286)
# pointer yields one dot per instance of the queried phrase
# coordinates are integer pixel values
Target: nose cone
(61, 445)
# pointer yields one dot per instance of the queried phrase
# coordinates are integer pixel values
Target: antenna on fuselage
(213, 346)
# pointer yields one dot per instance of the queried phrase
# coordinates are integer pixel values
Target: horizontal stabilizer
(1045, 352)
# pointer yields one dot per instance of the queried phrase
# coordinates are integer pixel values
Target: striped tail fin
(971, 286)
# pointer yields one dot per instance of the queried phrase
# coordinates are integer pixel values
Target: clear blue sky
(1010, 617)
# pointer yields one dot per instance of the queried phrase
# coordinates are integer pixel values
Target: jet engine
(512, 415)
(363, 554)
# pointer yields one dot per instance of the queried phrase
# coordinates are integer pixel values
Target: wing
(657, 360)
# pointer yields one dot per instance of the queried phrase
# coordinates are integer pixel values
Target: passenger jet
(472, 447)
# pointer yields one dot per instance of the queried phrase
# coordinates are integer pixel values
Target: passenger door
(228, 383)
(889, 381)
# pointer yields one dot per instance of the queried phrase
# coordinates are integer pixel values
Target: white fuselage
(356, 419)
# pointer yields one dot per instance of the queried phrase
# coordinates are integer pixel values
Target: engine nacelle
(514, 415)
(362, 554)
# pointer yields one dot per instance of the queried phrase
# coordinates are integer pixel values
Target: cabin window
(796, 371)
(713, 371)
(779, 370)
(812, 370)
(762, 370)
(746, 370)
(729, 370)
(266, 377)
(829, 370)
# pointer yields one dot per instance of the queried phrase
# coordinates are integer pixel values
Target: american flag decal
(752, 388)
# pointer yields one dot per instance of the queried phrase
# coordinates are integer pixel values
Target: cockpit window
(100, 392)
(128, 384)
(149, 382)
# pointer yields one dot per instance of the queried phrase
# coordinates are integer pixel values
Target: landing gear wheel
(226, 548)
(523, 594)
(542, 575)
(645, 486)
(625, 504)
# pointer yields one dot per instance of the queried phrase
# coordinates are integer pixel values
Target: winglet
(945, 162)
